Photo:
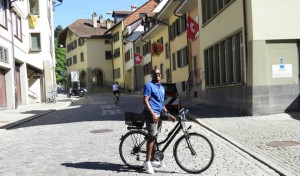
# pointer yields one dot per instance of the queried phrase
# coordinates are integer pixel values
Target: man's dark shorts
(116, 92)
(152, 128)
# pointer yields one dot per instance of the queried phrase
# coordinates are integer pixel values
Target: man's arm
(146, 103)
(170, 116)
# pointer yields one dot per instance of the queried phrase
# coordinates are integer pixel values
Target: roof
(84, 28)
(148, 7)
(120, 12)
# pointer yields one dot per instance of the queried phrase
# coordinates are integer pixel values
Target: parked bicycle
(52, 97)
(193, 152)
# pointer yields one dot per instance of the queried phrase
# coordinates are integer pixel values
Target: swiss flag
(137, 58)
(192, 28)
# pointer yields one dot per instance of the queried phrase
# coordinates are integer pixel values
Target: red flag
(192, 28)
(157, 48)
(137, 58)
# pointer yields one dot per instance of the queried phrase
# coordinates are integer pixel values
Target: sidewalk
(271, 139)
(9, 118)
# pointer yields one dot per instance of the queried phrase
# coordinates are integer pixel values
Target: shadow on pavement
(101, 166)
(89, 108)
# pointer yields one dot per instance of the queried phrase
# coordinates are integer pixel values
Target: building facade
(27, 65)
(88, 52)
(251, 54)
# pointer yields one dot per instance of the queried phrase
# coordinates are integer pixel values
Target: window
(177, 28)
(117, 73)
(3, 17)
(210, 8)
(224, 62)
(161, 67)
(75, 59)
(116, 37)
(81, 56)
(35, 41)
(80, 41)
(138, 50)
(127, 55)
(17, 26)
(182, 57)
(108, 55)
(117, 53)
(3, 55)
(107, 42)
(69, 61)
(174, 61)
(147, 48)
(74, 44)
(147, 68)
(167, 49)
(34, 7)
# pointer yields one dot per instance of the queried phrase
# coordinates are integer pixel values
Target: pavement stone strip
(90, 147)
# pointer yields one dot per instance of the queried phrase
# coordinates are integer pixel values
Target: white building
(27, 57)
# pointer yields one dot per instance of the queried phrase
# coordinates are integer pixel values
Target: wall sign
(282, 71)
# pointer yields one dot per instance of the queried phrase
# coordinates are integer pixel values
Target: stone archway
(97, 78)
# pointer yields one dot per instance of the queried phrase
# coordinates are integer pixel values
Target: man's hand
(172, 118)
(155, 119)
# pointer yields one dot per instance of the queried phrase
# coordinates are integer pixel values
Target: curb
(278, 169)
(13, 124)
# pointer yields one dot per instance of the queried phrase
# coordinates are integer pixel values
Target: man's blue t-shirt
(156, 92)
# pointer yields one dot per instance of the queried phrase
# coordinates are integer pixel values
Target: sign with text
(282, 71)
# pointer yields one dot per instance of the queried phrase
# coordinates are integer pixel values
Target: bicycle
(117, 99)
(193, 152)
(52, 97)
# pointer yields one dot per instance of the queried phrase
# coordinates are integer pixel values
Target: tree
(60, 55)
(57, 31)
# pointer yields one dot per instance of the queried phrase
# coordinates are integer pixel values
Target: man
(116, 91)
(154, 106)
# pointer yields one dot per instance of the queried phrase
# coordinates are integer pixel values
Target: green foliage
(60, 55)
(57, 31)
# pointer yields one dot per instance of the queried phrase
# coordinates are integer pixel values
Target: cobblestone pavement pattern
(83, 139)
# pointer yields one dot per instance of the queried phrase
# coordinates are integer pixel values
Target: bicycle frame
(171, 135)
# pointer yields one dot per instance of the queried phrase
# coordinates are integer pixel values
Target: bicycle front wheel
(193, 154)
(132, 149)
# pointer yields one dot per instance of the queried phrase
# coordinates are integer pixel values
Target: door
(2, 89)
(18, 86)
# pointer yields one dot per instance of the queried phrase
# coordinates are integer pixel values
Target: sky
(71, 10)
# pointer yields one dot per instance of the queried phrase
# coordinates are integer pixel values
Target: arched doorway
(98, 78)
(82, 78)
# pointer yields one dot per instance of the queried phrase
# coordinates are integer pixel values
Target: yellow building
(189, 8)
(120, 74)
(171, 31)
(250, 54)
(89, 52)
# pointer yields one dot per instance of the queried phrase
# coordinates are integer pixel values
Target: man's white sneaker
(158, 163)
(148, 167)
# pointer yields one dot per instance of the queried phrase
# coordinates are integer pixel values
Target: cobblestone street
(83, 139)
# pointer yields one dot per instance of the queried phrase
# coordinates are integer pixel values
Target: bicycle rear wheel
(200, 160)
(132, 149)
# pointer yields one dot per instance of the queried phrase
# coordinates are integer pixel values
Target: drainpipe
(13, 54)
(245, 30)
(246, 55)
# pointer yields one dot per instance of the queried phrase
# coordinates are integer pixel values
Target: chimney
(108, 24)
(101, 19)
(133, 8)
(94, 19)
